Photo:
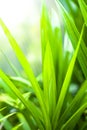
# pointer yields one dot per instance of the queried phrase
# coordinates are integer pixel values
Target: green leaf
(28, 104)
(17, 126)
(74, 36)
(6, 123)
(70, 124)
(83, 8)
(46, 30)
(1, 109)
(7, 99)
(6, 89)
(23, 122)
(49, 81)
(66, 83)
(28, 70)
(74, 105)
(7, 116)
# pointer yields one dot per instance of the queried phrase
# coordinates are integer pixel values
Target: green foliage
(45, 102)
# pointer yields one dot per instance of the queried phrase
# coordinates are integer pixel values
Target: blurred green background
(23, 20)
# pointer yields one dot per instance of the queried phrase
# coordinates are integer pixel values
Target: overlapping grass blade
(7, 116)
(23, 122)
(66, 83)
(49, 34)
(7, 125)
(22, 83)
(74, 36)
(28, 71)
(46, 31)
(1, 109)
(7, 99)
(28, 104)
(23, 61)
(58, 58)
(54, 37)
(17, 126)
(70, 124)
(49, 81)
(83, 8)
(6, 89)
(74, 105)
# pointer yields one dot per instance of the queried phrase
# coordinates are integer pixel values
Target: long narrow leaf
(66, 83)
(7, 125)
(28, 104)
(70, 124)
(74, 36)
(28, 70)
(75, 104)
(17, 126)
(49, 81)
(83, 8)
(7, 116)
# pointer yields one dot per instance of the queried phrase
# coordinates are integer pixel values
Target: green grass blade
(46, 30)
(23, 61)
(70, 124)
(58, 58)
(6, 89)
(22, 83)
(75, 104)
(1, 109)
(6, 123)
(66, 83)
(23, 122)
(49, 81)
(7, 116)
(27, 69)
(28, 104)
(17, 126)
(83, 8)
(44, 18)
(74, 36)
(7, 99)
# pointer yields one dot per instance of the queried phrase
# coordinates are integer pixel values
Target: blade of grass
(28, 104)
(70, 124)
(23, 122)
(17, 126)
(75, 104)
(7, 99)
(28, 71)
(6, 89)
(66, 83)
(1, 109)
(49, 81)
(74, 36)
(58, 58)
(30, 120)
(6, 123)
(7, 116)
(83, 8)
(46, 31)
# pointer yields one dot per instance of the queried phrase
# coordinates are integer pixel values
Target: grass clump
(45, 102)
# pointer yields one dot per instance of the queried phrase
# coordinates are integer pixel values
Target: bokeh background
(23, 20)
